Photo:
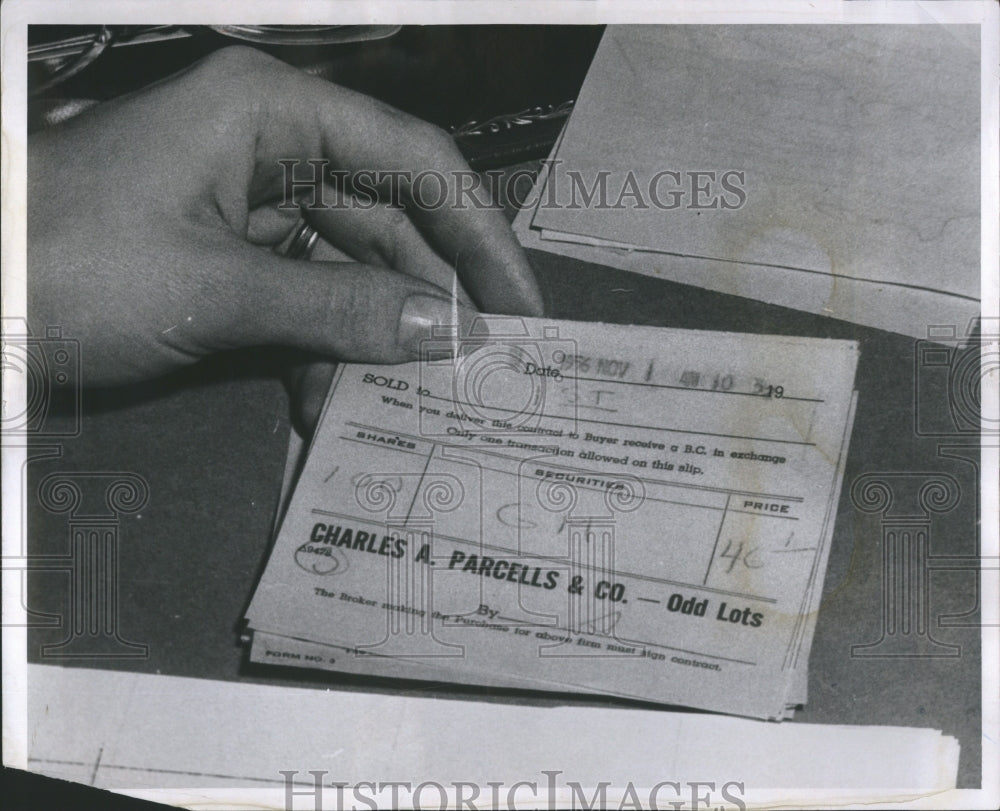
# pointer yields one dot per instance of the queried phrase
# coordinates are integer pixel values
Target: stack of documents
(552, 505)
(832, 168)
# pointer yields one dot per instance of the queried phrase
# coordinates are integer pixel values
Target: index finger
(303, 117)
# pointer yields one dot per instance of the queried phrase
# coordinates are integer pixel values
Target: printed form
(633, 511)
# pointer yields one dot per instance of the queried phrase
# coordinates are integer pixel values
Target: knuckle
(386, 245)
(429, 142)
(433, 140)
(237, 76)
(363, 314)
(347, 308)
(236, 60)
(237, 81)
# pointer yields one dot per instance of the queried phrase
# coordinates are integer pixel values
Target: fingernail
(429, 318)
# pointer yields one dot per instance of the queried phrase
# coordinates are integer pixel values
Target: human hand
(153, 218)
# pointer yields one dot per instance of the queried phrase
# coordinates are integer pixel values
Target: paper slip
(271, 648)
(634, 511)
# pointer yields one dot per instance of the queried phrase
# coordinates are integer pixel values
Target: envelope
(633, 511)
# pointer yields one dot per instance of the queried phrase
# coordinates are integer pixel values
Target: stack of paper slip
(634, 511)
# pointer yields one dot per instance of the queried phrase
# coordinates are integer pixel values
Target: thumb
(344, 311)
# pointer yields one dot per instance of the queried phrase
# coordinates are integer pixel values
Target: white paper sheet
(846, 205)
(125, 730)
